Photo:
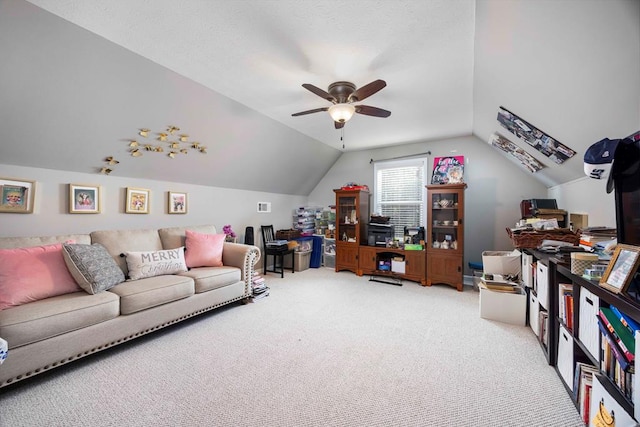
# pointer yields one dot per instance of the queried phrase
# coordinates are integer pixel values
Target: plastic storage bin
(302, 261)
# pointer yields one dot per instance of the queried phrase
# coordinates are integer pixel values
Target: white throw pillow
(155, 263)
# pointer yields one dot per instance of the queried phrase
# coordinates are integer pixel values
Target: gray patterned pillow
(92, 267)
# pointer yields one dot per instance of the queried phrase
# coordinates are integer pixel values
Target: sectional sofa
(111, 287)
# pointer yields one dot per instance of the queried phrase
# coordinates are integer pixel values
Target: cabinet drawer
(542, 281)
(534, 313)
(565, 356)
(588, 332)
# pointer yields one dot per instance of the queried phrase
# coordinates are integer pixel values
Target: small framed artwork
(622, 267)
(177, 203)
(17, 195)
(137, 200)
(84, 199)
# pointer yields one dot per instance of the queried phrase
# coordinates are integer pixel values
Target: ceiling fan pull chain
(342, 136)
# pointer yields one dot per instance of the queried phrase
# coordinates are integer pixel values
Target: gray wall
(206, 205)
(71, 98)
(492, 199)
(570, 68)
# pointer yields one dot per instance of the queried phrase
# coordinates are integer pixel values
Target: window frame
(399, 163)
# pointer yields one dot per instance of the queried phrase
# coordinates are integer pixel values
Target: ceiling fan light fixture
(341, 113)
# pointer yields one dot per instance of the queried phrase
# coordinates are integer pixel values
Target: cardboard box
(502, 262)
(504, 307)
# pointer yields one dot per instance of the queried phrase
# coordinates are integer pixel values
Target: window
(399, 192)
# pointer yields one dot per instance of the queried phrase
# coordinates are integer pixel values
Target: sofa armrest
(243, 257)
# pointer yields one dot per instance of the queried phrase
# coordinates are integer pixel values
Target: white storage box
(504, 307)
(303, 258)
(502, 262)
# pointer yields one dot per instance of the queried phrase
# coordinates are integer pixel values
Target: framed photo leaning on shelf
(622, 267)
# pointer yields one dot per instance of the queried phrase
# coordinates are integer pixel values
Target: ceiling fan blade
(367, 90)
(339, 125)
(321, 93)
(372, 111)
(317, 110)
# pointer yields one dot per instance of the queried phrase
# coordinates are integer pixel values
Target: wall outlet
(264, 207)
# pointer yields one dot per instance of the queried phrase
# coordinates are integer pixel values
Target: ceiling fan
(343, 95)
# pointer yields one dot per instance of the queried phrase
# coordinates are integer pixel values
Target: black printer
(378, 234)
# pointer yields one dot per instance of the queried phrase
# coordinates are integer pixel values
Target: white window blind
(399, 192)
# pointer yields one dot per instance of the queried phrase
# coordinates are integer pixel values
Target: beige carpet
(324, 349)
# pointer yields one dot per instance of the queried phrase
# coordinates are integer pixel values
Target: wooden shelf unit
(370, 256)
(445, 223)
(560, 272)
(352, 214)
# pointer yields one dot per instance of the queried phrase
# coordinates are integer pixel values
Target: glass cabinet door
(347, 216)
(445, 221)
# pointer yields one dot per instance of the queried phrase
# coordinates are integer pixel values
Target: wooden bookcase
(352, 215)
(445, 225)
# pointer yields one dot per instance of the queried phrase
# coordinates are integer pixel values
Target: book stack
(582, 384)
(259, 288)
(618, 348)
(497, 283)
(596, 236)
(565, 304)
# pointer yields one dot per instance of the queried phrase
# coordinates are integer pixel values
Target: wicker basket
(533, 239)
(287, 234)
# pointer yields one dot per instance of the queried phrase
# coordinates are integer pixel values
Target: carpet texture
(324, 349)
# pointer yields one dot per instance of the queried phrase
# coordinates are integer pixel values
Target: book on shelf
(619, 332)
(565, 304)
(627, 321)
(610, 347)
(583, 382)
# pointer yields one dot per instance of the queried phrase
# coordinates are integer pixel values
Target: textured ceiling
(259, 53)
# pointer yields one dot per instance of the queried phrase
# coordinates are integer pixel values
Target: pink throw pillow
(32, 274)
(203, 250)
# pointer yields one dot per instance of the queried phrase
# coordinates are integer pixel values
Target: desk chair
(278, 253)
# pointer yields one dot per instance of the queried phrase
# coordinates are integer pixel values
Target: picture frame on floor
(137, 201)
(17, 195)
(84, 199)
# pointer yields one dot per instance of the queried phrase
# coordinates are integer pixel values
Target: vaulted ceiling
(259, 53)
(232, 72)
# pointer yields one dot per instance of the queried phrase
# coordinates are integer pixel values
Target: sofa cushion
(118, 242)
(49, 317)
(25, 242)
(32, 274)
(174, 237)
(138, 295)
(92, 267)
(204, 250)
(155, 263)
(208, 278)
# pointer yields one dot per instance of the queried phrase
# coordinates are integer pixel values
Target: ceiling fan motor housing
(342, 90)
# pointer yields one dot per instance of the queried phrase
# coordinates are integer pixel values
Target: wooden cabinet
(352, 214)
(370, 257)
(445, 234)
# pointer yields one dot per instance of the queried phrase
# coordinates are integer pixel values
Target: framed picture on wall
(84, 198)
(17, 195)
(177, 203)
(137, 200)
